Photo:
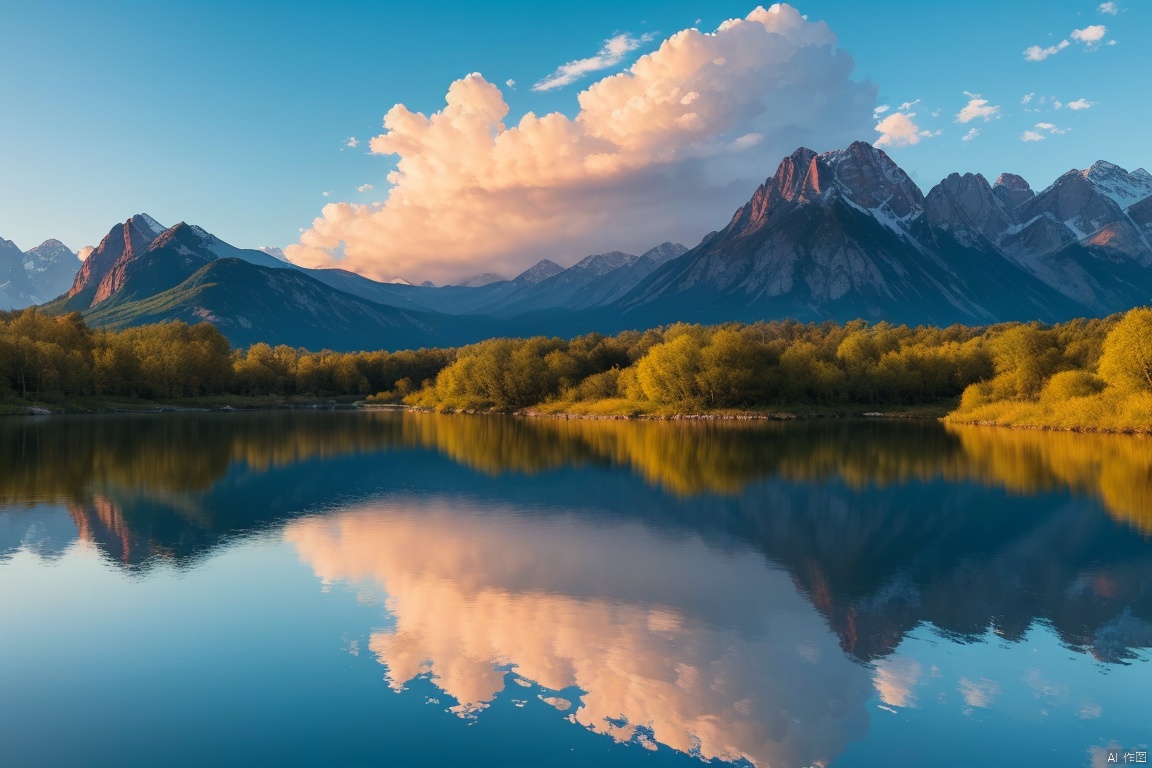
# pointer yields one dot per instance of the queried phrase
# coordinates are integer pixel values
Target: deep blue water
(413, 590)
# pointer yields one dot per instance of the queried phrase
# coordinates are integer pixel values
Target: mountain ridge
(837, 235)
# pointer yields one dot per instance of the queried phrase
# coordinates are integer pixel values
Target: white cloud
(1111, 42)
(1080, 104)
(1028, 98)
(1032, 136)
(1051, 129)
(977, 107)
(85, 252)
(879, 111)
(1090, 35)
(972, 133)
(663, 151)
(1108, 8)
(365, 188)
(326, 193)
(1036, 53)
(510, 83)
(352, 142)
(611, 53)
(908, 105)
(899, 130)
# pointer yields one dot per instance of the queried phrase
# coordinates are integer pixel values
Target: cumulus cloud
(663, 151)
(1051, 129)
(1080, 104)
(879, 111)
(972, 133)
(352, 142)
(1090, 35)
(85, 252)
(1028, 98)
(1036, 53)
(365, 188)
(1032, 136)
(611, 53)
(977, 107)
(510, 83)
(898, 130)
(1108, 8)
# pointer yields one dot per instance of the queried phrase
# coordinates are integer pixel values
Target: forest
(1094, 373)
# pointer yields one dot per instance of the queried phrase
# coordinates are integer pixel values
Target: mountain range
(833, 236)
(36, 275)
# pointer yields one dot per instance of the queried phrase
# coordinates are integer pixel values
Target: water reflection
(733, 591)
(672, 640)
(71, 459)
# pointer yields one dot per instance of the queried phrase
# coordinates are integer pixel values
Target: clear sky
(236, 115)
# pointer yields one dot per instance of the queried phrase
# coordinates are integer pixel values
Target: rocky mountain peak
(862, 174)
(1115, 182)
(123, 242)
(664, 253)
(603, 263)
(966, 203)
(869, 178)
(1076, 202)
(539, 272)
(1012, 190)
(50, 246)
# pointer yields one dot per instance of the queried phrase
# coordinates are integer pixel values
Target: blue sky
(235, 116)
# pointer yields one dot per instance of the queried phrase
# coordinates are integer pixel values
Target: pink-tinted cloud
(628, 614)
(1090, 35)
(899, 130)
(665, 150)
(976, 108)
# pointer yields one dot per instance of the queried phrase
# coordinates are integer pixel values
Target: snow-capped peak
(1113, 181)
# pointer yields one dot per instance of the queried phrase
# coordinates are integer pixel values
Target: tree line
(47, 357)
(1095, 372)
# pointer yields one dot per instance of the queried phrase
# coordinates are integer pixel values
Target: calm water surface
(398, 589)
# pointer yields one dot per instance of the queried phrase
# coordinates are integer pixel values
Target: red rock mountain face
(102, 272)
(863, 174)
(847, 234)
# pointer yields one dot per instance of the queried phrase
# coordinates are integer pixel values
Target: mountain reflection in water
(728, 590)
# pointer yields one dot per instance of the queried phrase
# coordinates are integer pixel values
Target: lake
(379, 588)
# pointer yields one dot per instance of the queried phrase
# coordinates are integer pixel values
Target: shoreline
(941, 416)
(1132, 432)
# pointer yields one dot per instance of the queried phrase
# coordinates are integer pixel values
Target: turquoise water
(399, 589)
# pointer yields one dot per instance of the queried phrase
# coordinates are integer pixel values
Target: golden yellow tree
(1126, 363)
